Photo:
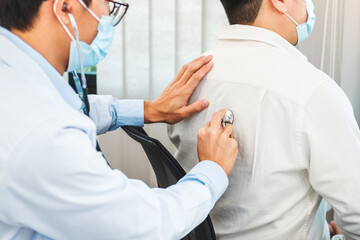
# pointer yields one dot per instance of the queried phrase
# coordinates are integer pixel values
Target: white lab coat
(54, 184)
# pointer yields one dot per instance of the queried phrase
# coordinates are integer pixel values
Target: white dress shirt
(55, 185)
(299, 141)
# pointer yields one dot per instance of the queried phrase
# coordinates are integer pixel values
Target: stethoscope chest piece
(228, 118)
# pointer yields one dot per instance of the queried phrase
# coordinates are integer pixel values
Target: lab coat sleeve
(110, 113)
(64, 189)
(331, 139)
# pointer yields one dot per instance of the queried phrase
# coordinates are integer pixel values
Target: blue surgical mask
(95, 52)
(304, 30)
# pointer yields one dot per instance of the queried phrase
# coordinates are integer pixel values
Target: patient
(299, 141)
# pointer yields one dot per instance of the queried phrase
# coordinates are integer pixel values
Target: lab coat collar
(22, 57)
(251, 33)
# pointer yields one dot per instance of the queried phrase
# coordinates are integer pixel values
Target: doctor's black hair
(20, 14)
(242, 11)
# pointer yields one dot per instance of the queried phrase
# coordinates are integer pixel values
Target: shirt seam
(300, 147)
(300, 120)
(257, 139)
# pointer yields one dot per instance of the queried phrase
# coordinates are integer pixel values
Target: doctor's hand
(217, 144)
(172, 105)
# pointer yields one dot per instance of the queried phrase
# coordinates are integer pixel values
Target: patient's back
(266, 83)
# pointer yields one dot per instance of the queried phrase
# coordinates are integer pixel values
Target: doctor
(53, 182)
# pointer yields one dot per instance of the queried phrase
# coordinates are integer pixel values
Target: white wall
(158, 36)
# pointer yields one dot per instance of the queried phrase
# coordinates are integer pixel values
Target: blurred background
(158, 36)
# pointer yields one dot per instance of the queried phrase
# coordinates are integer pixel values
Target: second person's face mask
(304, 30)
(95, 52)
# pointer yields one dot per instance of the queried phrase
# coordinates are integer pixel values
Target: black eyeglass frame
(117, 5)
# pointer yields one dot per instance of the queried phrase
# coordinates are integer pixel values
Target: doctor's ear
(279, 5)
(62, 9)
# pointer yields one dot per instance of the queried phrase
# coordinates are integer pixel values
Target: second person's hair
(242, 11)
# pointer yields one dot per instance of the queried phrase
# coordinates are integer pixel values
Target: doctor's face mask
(95, 52)
(304, 30)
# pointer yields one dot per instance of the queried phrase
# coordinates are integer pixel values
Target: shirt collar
(251, 33)
(66, 92)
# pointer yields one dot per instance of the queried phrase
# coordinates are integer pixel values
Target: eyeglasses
(118, 10)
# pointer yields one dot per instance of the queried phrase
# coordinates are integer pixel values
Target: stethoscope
(228, 118)
(81, 86)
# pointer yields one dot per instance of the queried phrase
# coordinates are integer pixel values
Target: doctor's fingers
(228, 131)
(197, 71)
(184, 68)
(194, 108)
(227, 137)
(197, 77)
(216, 120)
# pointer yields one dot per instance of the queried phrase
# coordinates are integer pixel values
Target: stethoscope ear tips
(64, 7)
